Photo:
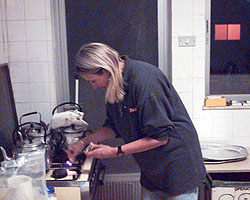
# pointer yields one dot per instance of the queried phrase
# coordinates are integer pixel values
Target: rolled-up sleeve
(155, 113)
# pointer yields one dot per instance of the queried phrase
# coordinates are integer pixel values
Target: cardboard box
(215, 101)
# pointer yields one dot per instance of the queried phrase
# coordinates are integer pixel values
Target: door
(130, 27)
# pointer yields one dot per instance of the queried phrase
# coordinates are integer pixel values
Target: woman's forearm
(141, 145)
(100, 135)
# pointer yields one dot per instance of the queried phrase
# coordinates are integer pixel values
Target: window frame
(229, 97)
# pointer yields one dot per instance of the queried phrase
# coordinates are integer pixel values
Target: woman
(144, 109)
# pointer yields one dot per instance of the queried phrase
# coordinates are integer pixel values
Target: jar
(51, 193)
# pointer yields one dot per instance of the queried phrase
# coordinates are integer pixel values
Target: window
(228, 49)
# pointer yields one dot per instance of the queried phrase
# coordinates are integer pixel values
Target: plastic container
(32, 163)
(51, 193)
(22, 187)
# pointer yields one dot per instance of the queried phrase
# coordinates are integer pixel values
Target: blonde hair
(93, 58)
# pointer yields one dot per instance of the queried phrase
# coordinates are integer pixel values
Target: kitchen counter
(73, 189)
(240, 166)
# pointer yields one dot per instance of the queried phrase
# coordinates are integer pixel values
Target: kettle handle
(18, 131)
(31, 113)
(70, 103)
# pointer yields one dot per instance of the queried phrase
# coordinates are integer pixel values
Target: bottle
(51, 193)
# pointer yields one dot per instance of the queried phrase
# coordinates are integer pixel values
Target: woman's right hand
(74, 149)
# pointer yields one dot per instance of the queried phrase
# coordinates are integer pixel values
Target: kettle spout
(6, 158)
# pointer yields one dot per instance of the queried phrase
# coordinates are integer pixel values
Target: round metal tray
(220, 153)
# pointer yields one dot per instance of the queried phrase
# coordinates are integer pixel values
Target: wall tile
(49, 30)
(241, 113)
(182, 8)
(198, 88)
(16, 31)
(51, 72)
(1, 30)
(222, 127)
(181, 53)
(52, 106)
(17, 51)
(50, 51)
(205, 140)
(182, 69)
(44, 109)
(199, 26)
(52, 90)
(182, 26)
(198, 68)
(179, 85)
(4, 28)
(223, 140)
(19, 72)
(199, 7)
(2, 53)
(22, 108)
(241, 127)
(47, 9)
(36, 30)
(15, 9)
(222, 114)
(186, 98)
(34, 9)
(204, 127)
(37, 51)
(242, 141)
(198, 113)
(199, 49)
(21, 92)
(39, 93)
(38, 72)
(2, 6)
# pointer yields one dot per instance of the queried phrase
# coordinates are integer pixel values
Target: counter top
(240, 166)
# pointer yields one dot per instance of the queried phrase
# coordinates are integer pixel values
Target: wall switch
(186, 41)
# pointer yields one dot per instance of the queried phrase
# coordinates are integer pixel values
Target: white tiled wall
(26, 43)
(223, 126)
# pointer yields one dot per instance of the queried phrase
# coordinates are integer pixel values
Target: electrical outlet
(186, 41)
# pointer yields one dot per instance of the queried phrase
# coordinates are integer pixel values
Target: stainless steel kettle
(31, 136)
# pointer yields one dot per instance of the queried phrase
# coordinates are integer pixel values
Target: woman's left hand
(101, 151)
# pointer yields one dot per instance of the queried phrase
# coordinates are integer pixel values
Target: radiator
(119, 191)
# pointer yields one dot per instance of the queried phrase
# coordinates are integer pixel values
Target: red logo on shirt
(131, 110)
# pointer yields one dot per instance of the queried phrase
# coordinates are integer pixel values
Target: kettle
(75, 127)
(35, 130)
(7, 162)
(31, 136)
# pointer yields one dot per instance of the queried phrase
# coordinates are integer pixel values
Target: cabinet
(228, 181)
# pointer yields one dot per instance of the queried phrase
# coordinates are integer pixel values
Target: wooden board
(66, 193)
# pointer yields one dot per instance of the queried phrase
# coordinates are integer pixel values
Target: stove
(86, 175)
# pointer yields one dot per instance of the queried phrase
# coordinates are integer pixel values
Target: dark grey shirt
(152, 108)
